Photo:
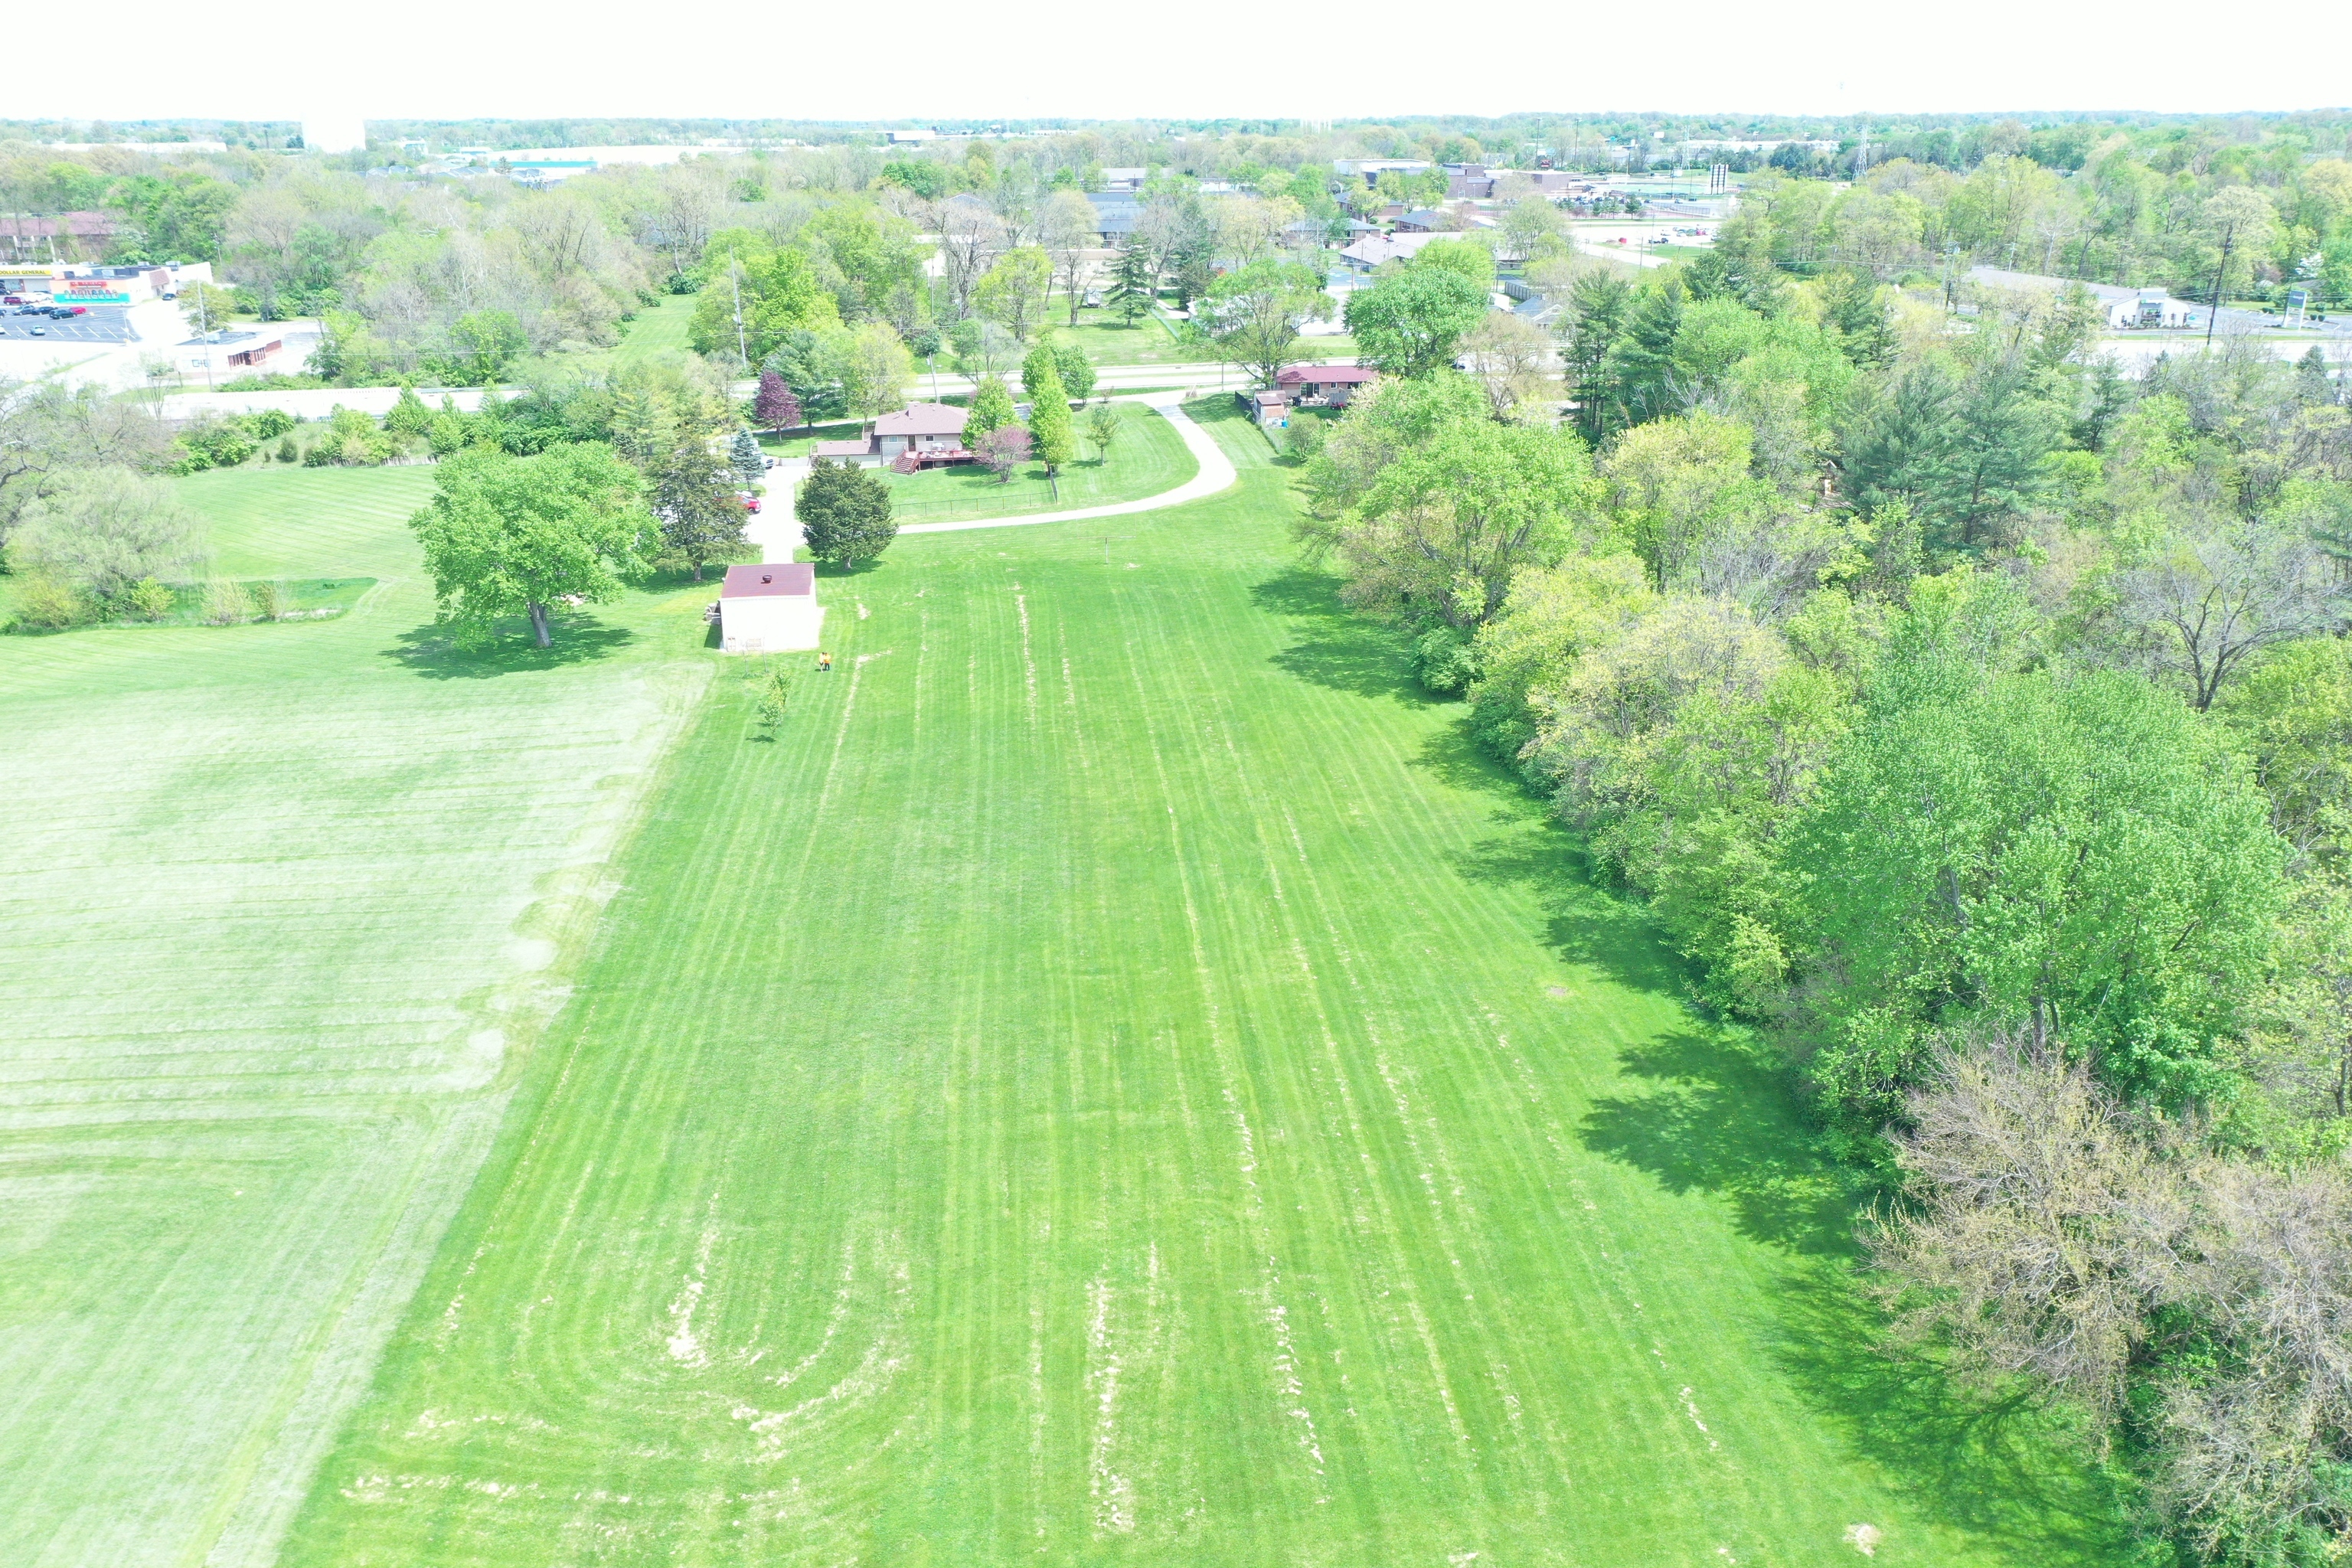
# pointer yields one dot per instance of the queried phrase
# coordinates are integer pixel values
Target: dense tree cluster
(1939, 689)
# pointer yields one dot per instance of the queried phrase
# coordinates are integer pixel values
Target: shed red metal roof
(770, 579)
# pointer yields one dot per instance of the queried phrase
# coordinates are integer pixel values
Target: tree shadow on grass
(431, 652)
(1723, 1117)
(1719, 1114)
(1335, 647)
(2006, 1470)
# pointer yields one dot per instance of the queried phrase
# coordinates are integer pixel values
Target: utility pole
(2228, 235)
(742, 353)
(205, 330)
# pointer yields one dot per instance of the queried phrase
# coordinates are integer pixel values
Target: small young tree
(503, 535)
(992, 409)
(408, 416)
(751, 463)
(773, 406)
(1049, 426)
(148, 599)
(774, 697)
(1103, 421)
(1002, 450)
(845, 513)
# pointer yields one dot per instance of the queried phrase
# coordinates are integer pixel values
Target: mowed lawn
(282, 909)
(1118, 1080)
(1147, 459)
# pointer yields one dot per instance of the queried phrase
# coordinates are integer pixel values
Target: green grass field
(657, 331)
(282, 909)
(1118, 1080)
(1147, 458)
(1115, 1080)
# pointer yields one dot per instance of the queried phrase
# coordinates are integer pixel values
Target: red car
(751, 502)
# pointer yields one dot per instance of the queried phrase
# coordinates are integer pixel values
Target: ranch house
(1330, 386)
(920, 429)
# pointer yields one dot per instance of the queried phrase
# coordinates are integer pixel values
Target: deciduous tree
(504, 535)
(1252, 315)
(1410, 323)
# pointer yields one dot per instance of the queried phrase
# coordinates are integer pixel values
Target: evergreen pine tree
(1641, 362)
(1131, 282)
(749, 461)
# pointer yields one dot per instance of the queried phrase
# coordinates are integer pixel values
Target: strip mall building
(101, 284)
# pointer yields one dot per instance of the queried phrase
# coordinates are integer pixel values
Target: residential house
(1374, 248)
(1427, 220)
(1327, 385)
(2125, 308)
(1124, 179)
(918, 435)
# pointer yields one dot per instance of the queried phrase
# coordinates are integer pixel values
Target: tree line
(1973, 718)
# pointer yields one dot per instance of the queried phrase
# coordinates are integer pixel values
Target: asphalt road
(100, 325)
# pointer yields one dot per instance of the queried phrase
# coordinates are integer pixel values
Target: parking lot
(102, 324)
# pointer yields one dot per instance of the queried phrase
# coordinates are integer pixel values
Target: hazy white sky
(1025, 59)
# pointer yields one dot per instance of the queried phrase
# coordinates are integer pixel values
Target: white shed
(770, 607)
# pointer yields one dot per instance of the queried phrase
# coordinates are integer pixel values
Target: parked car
(76, 310)
(751, 502)
(41, 331)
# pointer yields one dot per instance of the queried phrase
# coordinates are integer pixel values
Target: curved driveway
(778, 536)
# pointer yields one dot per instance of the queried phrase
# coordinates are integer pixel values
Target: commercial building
(101, 284)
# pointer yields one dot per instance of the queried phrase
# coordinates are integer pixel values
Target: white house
(770, 607)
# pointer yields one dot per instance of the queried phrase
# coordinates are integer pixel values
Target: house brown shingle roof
(1326, 374)
(922, 419)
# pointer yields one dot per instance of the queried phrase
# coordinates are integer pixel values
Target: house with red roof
(1327, 386)
(918, 435)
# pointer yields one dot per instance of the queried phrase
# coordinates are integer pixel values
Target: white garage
(770, 607)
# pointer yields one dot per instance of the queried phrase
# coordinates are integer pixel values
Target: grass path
(1116, 1079)
(282, 909)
